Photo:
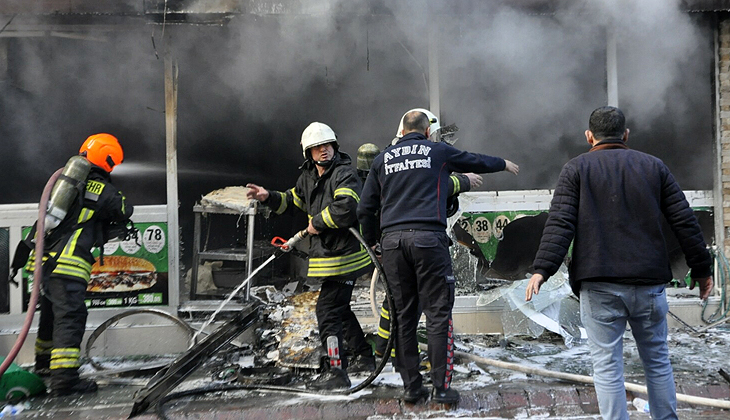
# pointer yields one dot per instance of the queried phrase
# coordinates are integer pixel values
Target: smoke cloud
(519, 85)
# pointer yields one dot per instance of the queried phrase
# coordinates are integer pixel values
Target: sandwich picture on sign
(121, 274)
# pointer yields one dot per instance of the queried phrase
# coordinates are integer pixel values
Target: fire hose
(37, 274)
(583, 379)
(287, 246)
(391, 339)
(101, 369)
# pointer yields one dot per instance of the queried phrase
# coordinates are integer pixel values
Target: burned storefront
(208, 96)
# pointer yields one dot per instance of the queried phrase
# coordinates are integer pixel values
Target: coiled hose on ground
(160, 409)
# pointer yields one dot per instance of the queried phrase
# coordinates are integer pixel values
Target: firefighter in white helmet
(434, 125)
(328, 191)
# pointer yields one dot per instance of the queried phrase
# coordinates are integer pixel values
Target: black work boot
(334, 378)
(82, 386)
(445, 396)
(42, 366)
(67, 382)
(412, 396)
(362, 363)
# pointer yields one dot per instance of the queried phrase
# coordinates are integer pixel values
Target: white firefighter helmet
(315, 134)
(435, 125)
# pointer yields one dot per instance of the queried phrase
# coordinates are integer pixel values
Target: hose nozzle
(287, 246)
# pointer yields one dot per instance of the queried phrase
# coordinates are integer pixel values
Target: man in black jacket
(611, 202)
(328, 191)
(407, 185)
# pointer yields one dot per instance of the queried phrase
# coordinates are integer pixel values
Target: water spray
(284, 246)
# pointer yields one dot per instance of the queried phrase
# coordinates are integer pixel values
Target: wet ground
(487, 392)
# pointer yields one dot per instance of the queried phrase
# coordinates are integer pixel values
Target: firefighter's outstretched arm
(279, 202)
(256, 192)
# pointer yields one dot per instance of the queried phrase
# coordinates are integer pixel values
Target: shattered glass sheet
(469, 270)
(554, 309)
(465, 268)
(477, 270)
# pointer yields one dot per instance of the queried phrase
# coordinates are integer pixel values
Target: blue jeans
(605, 308)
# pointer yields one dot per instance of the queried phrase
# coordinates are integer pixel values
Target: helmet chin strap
(323, 163)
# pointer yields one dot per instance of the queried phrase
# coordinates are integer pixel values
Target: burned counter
(235, 259)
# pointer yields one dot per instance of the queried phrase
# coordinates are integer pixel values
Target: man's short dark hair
(606, 122)
(415, 121)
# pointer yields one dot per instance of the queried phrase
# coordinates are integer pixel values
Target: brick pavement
(528, 398)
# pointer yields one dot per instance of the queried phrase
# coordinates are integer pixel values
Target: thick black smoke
(519, 85)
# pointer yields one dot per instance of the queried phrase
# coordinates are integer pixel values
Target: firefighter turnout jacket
(330, 201)
(70, 243)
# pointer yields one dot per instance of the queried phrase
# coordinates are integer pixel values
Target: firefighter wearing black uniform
(458, 183)
(407, 185)
(63, 310)
(328, 190)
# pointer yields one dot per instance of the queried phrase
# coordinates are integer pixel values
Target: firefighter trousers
(62, 322)
(335, 317)
(418, 268)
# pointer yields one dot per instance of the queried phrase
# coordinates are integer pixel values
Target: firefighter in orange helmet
(67, 268)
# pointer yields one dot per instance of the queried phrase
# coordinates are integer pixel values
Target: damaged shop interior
(207, 96)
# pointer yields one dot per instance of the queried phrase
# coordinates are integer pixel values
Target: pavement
(486, 391)
(516, 399)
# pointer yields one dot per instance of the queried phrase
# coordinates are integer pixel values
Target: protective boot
(445, 395)
(43, 350)
(42, 366)
(362, 363)
(412, 396)
(66, 381)
(334, 378)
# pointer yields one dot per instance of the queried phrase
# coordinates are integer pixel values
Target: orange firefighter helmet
(102, 150)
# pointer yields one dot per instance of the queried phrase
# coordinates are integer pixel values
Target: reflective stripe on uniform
(67, 265)
(70, 247)
(457, 184)
(65, 358)
(282, 205)
(382, 332)
(43, 346)
(333, 266)
(384, 313)
(73, 271)
(348, 192)
(85, 216)
(297, 200)
(327, 218)
(70, 260)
